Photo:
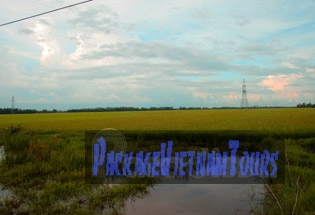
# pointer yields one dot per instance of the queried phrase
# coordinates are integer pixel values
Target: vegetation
(45, 157)
(114, 109)
(47, 176)
(297, 195)
(285, 120)
(304, 105)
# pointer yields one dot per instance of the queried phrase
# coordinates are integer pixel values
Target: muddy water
(199, 199)
(184, 199)
(3, 192)
(2, 155)
(202, 199)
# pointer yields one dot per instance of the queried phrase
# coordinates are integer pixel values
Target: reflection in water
(184, 199)
(200, 199)
(2, 155)
(197, 199)
(3, 192)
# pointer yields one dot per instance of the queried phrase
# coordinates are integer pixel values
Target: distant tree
(304, 105)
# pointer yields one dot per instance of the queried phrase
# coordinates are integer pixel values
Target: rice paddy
(44, 162)
(279, 119)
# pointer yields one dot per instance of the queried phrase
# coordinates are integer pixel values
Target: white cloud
(290, 65)
(142, 53)
(50, 47)
(202, 95)
(233, 96)
(310, 70)
(278, 82)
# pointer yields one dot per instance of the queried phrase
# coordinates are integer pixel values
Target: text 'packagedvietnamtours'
(167, 163)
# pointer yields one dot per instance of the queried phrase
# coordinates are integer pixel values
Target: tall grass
(297, 195)
(47, 176)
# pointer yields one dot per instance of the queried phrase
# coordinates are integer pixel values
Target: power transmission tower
(12, 108)
(244, 101)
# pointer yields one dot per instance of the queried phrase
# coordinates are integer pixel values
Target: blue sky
(157, 53)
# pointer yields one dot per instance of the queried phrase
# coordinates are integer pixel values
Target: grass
(46, 173)
(297, 195)
(44, 165)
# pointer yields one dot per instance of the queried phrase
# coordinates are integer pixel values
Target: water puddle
(3, 192)
(200, 199)
(2, 154)
(185, 199)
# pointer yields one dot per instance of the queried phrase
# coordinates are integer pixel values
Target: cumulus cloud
(233, 96)
(50, 47)
(157, 53)
(310, 96)
(202, 95)
(259, 49)
(310, 70)
(290, 65)
(100, 18)
(290, 95)
(254, 97)
(278, 82)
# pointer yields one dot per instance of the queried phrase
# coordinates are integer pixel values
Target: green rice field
(44, 165)
(279, 119)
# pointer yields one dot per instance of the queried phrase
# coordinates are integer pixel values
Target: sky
(143, 53)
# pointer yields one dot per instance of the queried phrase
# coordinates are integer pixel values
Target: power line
(72, 5)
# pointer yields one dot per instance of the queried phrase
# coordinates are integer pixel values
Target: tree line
(98, 109)
(21, 111)
(304, 105)
(113, 109)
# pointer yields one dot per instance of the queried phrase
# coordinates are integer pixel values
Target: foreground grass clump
(297, 195)
(46, 176)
